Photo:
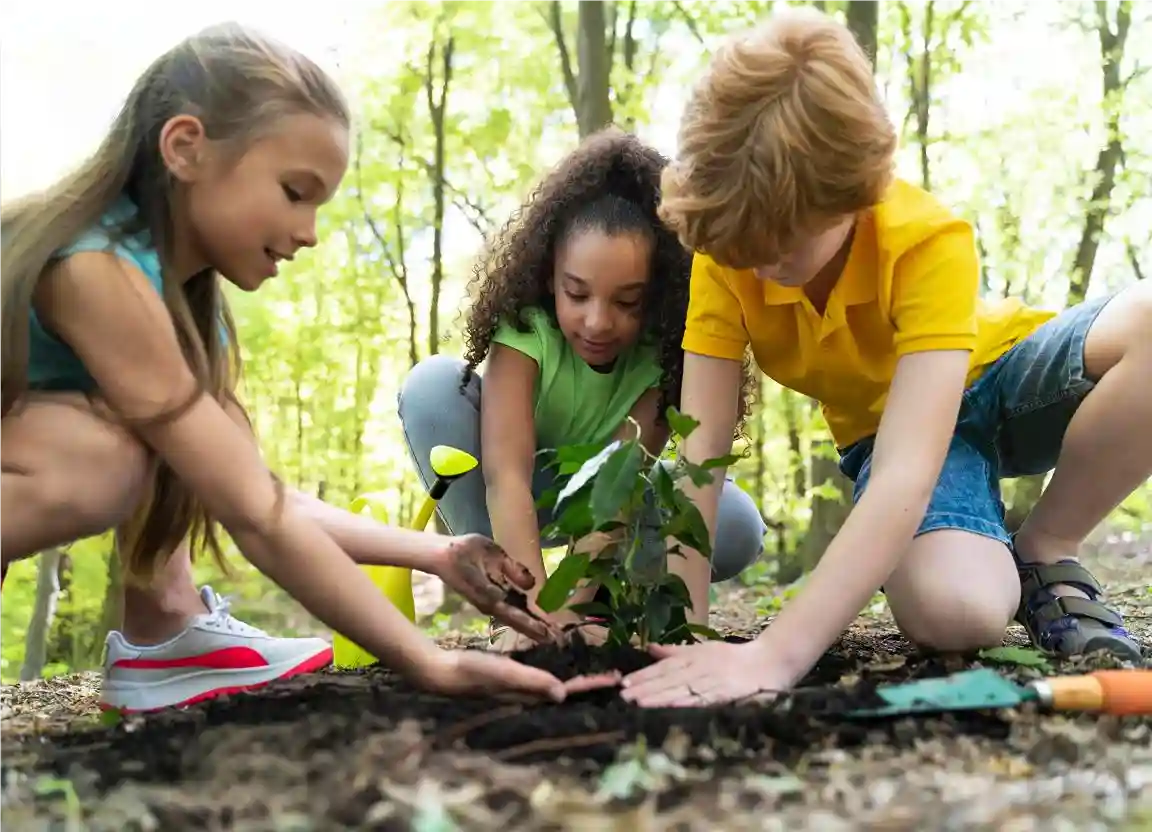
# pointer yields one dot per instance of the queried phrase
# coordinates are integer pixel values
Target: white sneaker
(217, 654)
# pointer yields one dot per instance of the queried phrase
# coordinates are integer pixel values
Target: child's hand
(706, 673)
(470, 672)
(483, 573)
(509, 641)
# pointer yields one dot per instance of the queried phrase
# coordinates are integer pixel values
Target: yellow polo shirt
(911, 284)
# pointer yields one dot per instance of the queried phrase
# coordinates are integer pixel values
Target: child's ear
(183, 147)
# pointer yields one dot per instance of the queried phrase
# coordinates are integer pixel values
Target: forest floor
(362, 750)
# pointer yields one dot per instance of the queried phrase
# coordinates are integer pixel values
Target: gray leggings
(434, 411)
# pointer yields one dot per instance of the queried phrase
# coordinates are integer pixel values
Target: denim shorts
(1011, 423)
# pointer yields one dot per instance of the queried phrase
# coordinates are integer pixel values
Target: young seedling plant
(632, 497)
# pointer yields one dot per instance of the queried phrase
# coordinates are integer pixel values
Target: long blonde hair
(239, 84)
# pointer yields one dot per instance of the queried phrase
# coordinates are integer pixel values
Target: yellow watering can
(449, 464)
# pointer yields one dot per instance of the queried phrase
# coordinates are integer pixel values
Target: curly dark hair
(610, 183)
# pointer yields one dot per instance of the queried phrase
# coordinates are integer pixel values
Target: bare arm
(910, 448)
(363, 539)
(119, 327)
(508, 440)
(710, 394)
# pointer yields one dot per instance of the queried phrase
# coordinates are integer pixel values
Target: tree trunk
(437, 108)
(594, 106)
(863, 20)
(43, 613)
(828, 512)
(589, 83)
(1112, 43)
(397, 260)
(919, 75)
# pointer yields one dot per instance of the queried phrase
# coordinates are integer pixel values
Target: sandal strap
(1036, 576)
(1061, 606)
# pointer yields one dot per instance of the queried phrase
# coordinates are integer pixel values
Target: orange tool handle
(1115, 692)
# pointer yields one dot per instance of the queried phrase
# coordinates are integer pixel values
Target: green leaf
(696, 525)
(111, 717)
(1022, 656)
(619, 634)
(682, 424)
(699, 475)
(562, 582)
(664, 486)
(706, 631)
(615, 481)
(677, 630)
(569, 458)
(614, 585)
(584, 476)
(688, 526)
(678, 588)
(548, 498)
(592, 608)
(576, 521)
(499, 126)
(621, 779)
(720, 461)
(657, 614)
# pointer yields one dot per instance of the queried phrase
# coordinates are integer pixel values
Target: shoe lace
(220, 616)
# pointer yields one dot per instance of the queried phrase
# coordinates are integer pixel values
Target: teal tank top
(52, 365)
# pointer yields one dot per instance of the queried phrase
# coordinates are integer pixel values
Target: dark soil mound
(307, 725)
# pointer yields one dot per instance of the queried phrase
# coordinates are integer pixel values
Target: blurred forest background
(1033, 120)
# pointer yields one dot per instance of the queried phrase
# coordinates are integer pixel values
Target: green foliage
(75, 641)
(1019, 656)
(622, 491)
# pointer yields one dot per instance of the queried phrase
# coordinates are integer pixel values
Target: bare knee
(956, 624)
(954, 592)
(1120, 332)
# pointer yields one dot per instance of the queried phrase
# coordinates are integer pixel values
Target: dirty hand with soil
(494, 583)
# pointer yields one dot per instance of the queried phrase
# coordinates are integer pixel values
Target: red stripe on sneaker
(318, 662)
(230, 658)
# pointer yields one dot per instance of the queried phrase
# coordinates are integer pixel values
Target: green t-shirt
(575, 404)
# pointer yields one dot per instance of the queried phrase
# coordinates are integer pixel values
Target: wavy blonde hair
(784, 134)
(239, 84)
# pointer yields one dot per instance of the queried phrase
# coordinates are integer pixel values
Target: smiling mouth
(597, 346)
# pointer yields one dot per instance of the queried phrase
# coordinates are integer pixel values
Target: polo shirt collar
(857, 284)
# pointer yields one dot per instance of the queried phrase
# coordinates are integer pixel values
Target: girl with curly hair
(579, 309)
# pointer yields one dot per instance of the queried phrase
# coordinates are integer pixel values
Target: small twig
(461, 729)
(689, 21)
(559, 744)
(1134, 261)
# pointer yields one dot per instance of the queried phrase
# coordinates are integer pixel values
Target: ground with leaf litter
(362, 750)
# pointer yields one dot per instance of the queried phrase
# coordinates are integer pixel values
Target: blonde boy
(862, 291)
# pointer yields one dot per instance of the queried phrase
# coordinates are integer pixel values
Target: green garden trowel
(1117, 692)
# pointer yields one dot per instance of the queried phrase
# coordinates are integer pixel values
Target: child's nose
(305, 237)
(598, 319)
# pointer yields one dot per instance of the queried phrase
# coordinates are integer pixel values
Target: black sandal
(1066, 626)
